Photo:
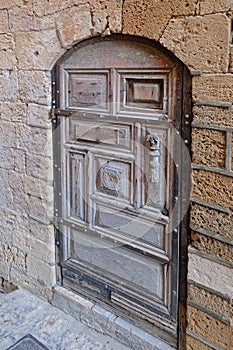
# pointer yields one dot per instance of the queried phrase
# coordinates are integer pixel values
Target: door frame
(184, 129)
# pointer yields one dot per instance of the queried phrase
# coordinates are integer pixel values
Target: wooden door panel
(117, 106)
(129, 226)
(87, 90)
(142, 91)
(140, 272)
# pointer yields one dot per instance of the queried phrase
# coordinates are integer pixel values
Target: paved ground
(22, 313)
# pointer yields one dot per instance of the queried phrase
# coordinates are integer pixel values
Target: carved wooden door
(117, 104)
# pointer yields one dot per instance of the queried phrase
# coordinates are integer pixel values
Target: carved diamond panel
(88, 90)
(114, 178)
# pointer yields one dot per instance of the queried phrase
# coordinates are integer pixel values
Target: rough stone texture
(12, 256)
(35, 247)
(231, 60)
(4, 26)
(232, 153)
(22, 313)
(32, 49)
(194, 344)
(106, 15)
(137, 15)
(40, 86)
(208, 327)
(8, 112)
(7, 53)
(210, 301)
(209, 6)
(212, 246)
(74, 26)
(205, 115)
(8, 86)
(200, 42)
(208, 147)
(212, 220)
(213, 188)
(212, 88)
(210, 274)
(41, 271)
(38, 115)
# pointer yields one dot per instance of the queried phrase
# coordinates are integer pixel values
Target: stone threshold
(105, 322)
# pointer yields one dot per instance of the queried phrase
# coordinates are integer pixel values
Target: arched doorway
(120, 110)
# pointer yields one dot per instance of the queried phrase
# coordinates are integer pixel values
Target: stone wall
(33, 35)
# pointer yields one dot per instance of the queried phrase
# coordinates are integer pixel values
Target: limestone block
(6, 195)
(213, 116)
(39, 167)
(147, 19)
(202, 43)
(41, 210)
(210, 274)
(12, 159)
(8, 86)
(10, 221)
(194, 344)
(12, 256)
(35, 86)
(8, 135)
(6, 4)
(210, 301)
(212, 220)
(38, 115)
(4, 27)
(213, 188)
(58, 5)
(39, 188)
(13, 111)
(232, 154)
(106, 14)
(41, 231)
(31, 245)
(208, 147)
(184, 8)
(6, 158)
(74, 26)
(212, 88)
(21, 18)
(30, 283)
(4, 270)
(41, 271)
(19, 160)
(231, 59)
(208, 327)
(209, 6)
(35, 140)
(100, 21)
(212, 246)
(32, 49)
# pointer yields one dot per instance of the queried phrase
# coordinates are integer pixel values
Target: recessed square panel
(113, 178)
(88, 90)
(144, 93)
(100, 133)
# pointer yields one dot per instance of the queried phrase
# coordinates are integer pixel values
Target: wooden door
(118, 109)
